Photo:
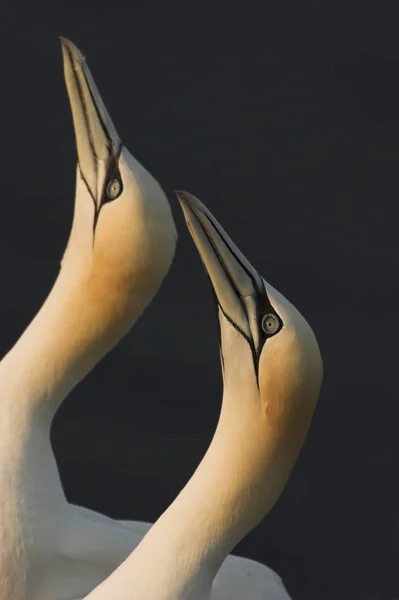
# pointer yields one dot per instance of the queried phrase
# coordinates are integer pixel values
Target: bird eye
(113, 189)
(270, 324)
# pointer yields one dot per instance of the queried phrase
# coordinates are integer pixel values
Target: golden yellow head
(272, 368)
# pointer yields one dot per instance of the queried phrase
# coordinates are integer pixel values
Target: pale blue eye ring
(270, 324)
(113, 189)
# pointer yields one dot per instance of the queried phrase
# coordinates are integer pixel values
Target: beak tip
(65, 43)
(185, 204)
(181, 196)
(69, 46)
(187, 200)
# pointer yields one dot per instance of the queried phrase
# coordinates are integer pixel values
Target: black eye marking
(113, 178)
(268, 321)
(112, 189)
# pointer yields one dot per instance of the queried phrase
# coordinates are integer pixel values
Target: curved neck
(88, 310)
(236, 484)
(82, 319)
(69, 335)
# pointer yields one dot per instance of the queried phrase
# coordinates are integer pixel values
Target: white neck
(235, 485)
(88, 310)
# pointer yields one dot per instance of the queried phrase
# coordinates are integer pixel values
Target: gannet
(120, 248)
(272, 373)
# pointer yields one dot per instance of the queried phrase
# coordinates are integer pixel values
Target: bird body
(121, 245)
(272, 373)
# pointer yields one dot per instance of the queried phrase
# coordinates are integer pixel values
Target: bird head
(272, 367)
(123, 236)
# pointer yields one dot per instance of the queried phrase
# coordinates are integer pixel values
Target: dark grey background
(290, 134)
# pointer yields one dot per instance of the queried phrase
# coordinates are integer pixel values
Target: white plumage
(272, 372)
(121, 246)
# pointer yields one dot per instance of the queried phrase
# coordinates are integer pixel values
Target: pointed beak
(237, 285)
(97, 141)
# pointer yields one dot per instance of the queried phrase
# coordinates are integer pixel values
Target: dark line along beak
(96, 138)
(239, 289)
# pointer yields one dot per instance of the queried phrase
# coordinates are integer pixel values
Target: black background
(284, 119)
